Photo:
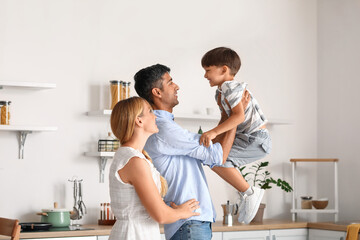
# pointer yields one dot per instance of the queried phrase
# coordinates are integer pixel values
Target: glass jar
(116, 92)
(109, 144)
(5, 112)
(128, 89)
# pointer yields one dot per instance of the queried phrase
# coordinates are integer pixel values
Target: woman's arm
(137, 173)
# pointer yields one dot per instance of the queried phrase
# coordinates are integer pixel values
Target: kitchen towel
(352, 232)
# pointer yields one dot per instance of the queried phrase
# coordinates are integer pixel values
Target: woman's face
(148, 117)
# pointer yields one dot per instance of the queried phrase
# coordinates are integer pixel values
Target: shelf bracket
(22, 139)
(103, 161)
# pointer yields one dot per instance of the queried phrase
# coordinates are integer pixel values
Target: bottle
(200, 130)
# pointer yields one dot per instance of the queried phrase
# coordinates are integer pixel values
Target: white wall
(338, 96)
(81, 45)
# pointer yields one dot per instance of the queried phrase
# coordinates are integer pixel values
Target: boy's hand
(206, 138)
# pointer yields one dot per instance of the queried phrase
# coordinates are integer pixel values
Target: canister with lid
(126, 90)
(5, 112)
(116, 92)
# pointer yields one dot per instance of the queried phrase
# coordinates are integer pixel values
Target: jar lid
(115, 81)
(306, 197)
(55, 210)
(5, 102)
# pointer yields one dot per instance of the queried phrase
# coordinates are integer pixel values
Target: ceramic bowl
(320, 203)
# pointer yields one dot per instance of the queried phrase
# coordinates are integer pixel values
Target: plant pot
(259, 215)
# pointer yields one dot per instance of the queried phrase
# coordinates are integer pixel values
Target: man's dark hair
(148, 78)
(222, 56)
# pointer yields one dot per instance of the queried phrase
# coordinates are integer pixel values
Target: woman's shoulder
(126, 153)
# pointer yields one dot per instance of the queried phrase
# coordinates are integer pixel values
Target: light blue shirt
(178, 156)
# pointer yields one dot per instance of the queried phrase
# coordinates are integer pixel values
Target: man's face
(169, 91)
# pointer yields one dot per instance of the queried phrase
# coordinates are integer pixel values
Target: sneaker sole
(241, 212)
(247, 221)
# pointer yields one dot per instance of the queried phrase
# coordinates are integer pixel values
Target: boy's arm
(237, 116)
(226, 139)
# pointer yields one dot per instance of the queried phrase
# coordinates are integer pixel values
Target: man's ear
(156, 92)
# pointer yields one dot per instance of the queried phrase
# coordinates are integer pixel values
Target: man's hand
(206, 138)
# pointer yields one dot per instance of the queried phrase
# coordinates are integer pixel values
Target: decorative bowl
(320, 203)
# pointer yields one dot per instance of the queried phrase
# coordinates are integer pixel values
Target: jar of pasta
(116, 92)
(5, 112)
(126, 90)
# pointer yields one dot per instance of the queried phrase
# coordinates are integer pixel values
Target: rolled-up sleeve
(174, 140)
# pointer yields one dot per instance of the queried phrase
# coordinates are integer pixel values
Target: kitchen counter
(269, 224)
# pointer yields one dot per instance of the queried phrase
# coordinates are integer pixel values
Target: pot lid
(55, 210)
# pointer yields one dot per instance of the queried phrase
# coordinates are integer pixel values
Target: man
(178, 156)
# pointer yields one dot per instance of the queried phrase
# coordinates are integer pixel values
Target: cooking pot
(56, 216)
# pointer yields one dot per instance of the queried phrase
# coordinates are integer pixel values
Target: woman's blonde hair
(122, 122)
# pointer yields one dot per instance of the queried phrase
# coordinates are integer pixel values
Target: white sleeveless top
(132, 220)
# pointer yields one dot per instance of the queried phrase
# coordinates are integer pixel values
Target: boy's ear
(156, 92)
(225, 69)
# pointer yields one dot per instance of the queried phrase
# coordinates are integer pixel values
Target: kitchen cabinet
(102, 237)
(280, 234)
(216, 236)
(289, 234)
(317, 234)
(294, 209)
(25, 129)
(66, 238)
(245, 235)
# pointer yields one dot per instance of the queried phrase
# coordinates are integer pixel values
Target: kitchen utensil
(229, 211)
(81, 204)
(75, 212)
(35, 226)
(56, 216)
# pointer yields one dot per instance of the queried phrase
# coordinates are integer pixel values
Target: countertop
(99, 230)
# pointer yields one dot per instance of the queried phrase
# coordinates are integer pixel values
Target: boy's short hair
(148, 78)
(222, 56)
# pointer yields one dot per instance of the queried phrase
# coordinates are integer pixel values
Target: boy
(252, 140)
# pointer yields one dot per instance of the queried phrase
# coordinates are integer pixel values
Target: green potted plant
(257, 175)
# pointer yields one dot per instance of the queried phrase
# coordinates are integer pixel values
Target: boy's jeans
(195, 230)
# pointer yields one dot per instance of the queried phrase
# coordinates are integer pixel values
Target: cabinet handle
(273, 237)
(267, 237)
(341, 238)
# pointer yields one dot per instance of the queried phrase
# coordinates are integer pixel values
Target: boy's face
(215, 75)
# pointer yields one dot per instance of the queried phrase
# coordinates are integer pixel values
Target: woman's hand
(187, 208)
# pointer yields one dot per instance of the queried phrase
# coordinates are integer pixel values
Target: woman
(135, 184)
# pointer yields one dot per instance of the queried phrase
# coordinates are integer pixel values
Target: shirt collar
(163, 114)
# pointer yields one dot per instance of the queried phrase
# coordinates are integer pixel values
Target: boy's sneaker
(252, 203)
(241, 208)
